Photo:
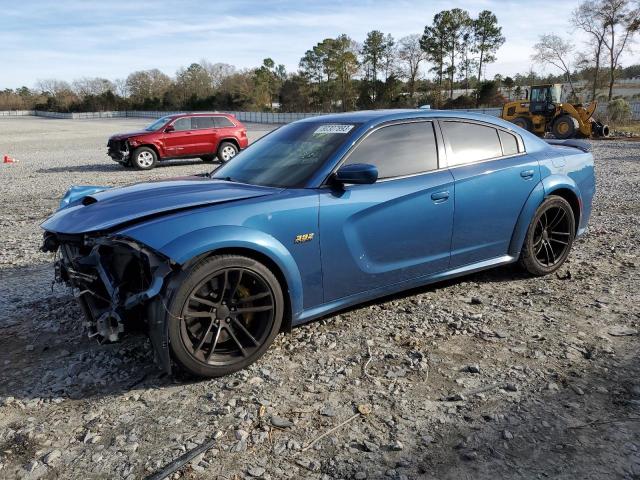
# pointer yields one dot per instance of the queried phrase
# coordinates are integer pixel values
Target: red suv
(184, 135)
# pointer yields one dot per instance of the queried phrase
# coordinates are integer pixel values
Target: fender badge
(305, 237)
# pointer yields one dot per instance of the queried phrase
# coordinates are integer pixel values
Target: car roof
(200, 114)
(380, 116)
(372, 118)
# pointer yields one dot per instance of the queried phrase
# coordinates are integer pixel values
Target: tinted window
(471, 142)
(288, 156)
(399, 150)
(222, 122)
(182, 124)
(509, 143)
(202, 122)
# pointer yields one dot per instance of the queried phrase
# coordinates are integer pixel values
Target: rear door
(494, 176)
(179, 142)
(204, 135)
(396, 229)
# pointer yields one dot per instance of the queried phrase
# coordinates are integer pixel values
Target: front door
(494, 177)
(396, 229)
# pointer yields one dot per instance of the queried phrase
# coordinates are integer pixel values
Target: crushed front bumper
(119, 284)
(118, 150)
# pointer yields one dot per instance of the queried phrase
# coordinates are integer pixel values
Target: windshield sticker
(329, 128)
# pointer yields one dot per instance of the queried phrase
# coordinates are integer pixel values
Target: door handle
(527, 174)
(439, 197)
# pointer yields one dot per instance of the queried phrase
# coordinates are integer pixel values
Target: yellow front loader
(544, 112)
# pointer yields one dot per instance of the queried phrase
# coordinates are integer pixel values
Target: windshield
(157, 125)
(289, 156)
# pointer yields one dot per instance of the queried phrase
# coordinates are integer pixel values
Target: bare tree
(622, 22)
(86, 86)
(411, 56)
(552, 49)
(587, 18)
(218, 71)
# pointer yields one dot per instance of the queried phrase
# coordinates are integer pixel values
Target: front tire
(224, 315)
(226, 151)
(549, 237)
(144, 158)
(565, 127)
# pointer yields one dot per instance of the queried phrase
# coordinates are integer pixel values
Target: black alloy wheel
(549, 237)
(230, 311)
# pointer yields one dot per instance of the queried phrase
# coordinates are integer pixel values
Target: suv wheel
(226, 151)
(144, 158)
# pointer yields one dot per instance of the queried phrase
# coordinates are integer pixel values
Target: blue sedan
(319, 215)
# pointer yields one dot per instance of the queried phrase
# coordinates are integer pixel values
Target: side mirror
(169, 129)
(357, 174)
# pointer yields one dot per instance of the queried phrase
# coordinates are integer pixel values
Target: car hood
(107, 209)
(124, 136)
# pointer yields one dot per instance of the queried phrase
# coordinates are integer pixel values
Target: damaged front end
(119, 284)
(118, 150)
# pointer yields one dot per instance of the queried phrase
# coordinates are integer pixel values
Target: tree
(587, 18)
(487, 39)
(194, 83)
(554, 50)
(508, 83)
(377, 55)
(342, 59)
(434, 42)
(148, 87)
(458, 23)
(411, 56)
(217, 71)
(622, 22)
(92, 86)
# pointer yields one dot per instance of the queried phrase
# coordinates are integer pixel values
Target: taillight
(243, 133)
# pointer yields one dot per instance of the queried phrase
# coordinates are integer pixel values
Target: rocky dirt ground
(496, 375)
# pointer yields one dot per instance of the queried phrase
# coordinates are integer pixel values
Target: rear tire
(549, 237)
(224, 315)
(226, 151)
(523, 122)
(565, 127)
(144, 158)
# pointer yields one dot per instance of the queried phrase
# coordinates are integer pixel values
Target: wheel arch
(265, 260)
(152, 146)
(572, 198)
(230, 140)
(188, 249)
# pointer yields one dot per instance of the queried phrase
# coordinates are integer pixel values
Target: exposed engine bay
(117, 282)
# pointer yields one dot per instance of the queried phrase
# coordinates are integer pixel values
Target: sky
(42, 39)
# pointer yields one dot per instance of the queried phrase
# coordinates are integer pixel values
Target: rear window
(471, 142)
(222, 122)
(509, 143)
(202, 122)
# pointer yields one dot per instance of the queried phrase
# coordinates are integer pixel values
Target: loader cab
(544, 98)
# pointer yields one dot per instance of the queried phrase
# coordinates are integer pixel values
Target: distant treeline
(337, 74)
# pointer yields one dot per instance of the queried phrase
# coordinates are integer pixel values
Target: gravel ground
(496, 375)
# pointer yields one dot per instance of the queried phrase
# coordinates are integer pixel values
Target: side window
(202, 122)
(509, 143)
(470, 142)
(398, 150)
(223, 122)
(182, 124)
